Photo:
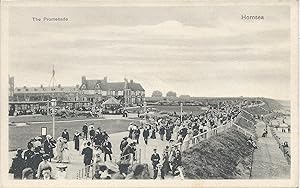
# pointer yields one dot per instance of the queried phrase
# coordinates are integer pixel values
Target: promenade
(76, 164)
(268, 160)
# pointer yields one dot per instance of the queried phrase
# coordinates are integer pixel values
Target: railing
(242, 130)
(285, 152)
(203, 136)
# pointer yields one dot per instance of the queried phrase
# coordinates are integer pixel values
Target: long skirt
(65, 156)
(77, 144)
(153, 135)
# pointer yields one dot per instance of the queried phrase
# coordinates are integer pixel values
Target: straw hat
(61, 165)
(48, 136)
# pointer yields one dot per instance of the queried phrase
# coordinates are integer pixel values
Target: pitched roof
(112, 86)
(111, 101)
(135, 87)
(91, 84)
(45, 89)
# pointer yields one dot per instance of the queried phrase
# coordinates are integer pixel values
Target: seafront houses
(90, 92)
(127, 92)
(61, 93)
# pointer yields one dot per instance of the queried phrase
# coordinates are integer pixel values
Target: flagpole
(53, 104)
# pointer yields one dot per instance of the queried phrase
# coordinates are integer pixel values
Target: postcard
(149, 93)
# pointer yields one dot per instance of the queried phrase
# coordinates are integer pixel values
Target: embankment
(226, 156)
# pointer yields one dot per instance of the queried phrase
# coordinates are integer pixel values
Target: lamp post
(181, 104)
(145, 108)
(53, 104)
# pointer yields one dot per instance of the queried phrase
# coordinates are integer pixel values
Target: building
(66, 93)
(127, 92)
(283, 127)
(89, 93)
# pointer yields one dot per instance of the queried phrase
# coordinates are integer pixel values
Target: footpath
(268, 160)
(76, 161)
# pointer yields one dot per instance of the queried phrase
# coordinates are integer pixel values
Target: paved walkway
(268, 160)
(76, 164)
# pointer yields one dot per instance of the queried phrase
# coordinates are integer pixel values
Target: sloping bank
(220, 157)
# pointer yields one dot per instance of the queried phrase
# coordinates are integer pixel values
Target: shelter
(112, 105)
(283, 128)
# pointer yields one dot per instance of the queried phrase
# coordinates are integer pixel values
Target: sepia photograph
(160, 92)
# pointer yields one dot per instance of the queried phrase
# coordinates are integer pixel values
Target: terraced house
(127, 92)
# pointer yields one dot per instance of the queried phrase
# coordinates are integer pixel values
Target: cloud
(169, 55)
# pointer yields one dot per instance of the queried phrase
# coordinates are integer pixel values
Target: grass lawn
(19, 136)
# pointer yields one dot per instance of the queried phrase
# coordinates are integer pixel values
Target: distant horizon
(164, 94)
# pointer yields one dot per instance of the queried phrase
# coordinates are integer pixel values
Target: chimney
(24, 87)
(105, 79)
(131, 81)
(83, 79)
(41, 85)
(77, 86)
(59, 85)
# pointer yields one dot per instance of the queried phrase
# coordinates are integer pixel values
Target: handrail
(244, 130)
(246, 119)
(205, 135)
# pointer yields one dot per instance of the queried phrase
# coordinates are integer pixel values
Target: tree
(184, 97)
(157, 93)
(171, 94)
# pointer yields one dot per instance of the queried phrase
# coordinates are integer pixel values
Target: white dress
(65, 153)
(61, 175)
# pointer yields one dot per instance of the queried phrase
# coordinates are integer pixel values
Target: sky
(199, 51)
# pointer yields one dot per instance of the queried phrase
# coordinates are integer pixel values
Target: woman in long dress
(175, 133)
(59, 148)
(65, 152)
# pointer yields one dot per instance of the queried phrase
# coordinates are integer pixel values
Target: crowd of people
(35, 162)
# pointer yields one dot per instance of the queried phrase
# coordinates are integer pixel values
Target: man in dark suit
(18, 165)
(155, 160)
(65, 135)
(88, 157)
(85, 131)
(35, 160)
(146, 134)
(123, 143)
